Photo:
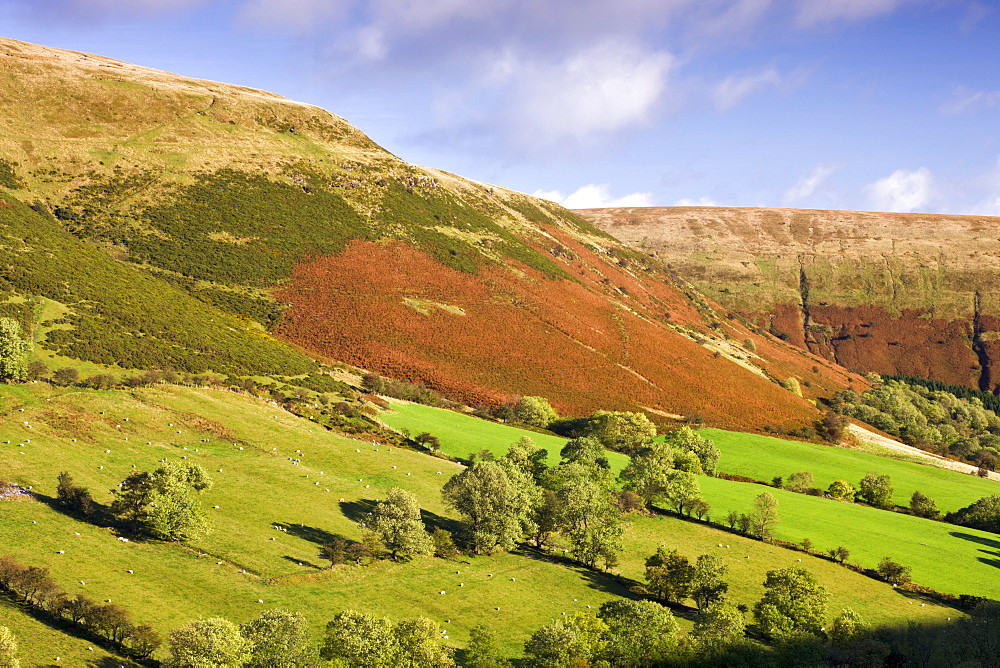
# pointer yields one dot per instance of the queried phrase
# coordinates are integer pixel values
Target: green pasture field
(462, 434)
(764, 457)
(874, 600)
(869, 533)
(949, 558)
(259, 487)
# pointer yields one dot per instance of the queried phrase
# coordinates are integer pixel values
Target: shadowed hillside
(245, 231)
(886, 292)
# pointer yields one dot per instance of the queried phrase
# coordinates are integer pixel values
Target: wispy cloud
(810, 13)
(967, 101)
(902, 191)
(735, 88)
(595, 196)
(807, 185)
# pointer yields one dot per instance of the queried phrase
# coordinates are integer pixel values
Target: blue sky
(847, 104)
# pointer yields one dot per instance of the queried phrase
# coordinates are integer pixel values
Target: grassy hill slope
(261, 486)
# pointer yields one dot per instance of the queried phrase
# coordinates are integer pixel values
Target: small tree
(801, 482)
(209, 643)
(428, 441)
(277, 639)
(66, 376)
(73, 497)
(419, 643)
(397, 521)
(923, 506)
(622, 430)
(640, 633)
(841, 489)
(707, 585)
(669, 575)
(483, 650)
(893, 572)
(793, 602)
(876, 490)
(13, 352)
(443, 543)
(719, 625)
(8, 649)
(143, 640)
(360, 639)
(764, 516)
(534, 411)
(846, 627)
(840, 553)
(335, 551)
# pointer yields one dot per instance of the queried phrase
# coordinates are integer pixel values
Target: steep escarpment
(242, 232)
(915, 294)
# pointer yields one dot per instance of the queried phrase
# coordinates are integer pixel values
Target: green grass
(764, 457)
(462, 434)
(39, 644)
(261, 486)
(949, 558)
(258, 488)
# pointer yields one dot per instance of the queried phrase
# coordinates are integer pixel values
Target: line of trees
(108, 621)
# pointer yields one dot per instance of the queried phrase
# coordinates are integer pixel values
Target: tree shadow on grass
(982, 540)
(358, 511)
(101, 517)
(311, 534)
(301, 562)
(433, 521)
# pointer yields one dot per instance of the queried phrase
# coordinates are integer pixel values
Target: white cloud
(902, 191)
(965, 101)
(599, 90)
(701, 201)
(807, 185)
(735, 88)
(595, 196)
(811, 13)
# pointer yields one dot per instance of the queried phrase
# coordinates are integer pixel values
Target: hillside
(892, 293)
(266, 463)
(249, 234)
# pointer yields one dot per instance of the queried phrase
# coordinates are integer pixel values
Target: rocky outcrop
(891, 293)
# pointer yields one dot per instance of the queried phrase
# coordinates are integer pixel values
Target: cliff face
(891, 293)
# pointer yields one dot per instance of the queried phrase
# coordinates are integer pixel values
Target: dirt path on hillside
(934, 460)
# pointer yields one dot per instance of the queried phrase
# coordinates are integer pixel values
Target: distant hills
(153, 220)
(914, 294)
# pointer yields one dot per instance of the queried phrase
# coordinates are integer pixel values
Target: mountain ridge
(886, 292)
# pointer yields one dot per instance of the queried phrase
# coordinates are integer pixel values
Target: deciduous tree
(208, 643)
(535, 411)
(277, 639)
(923, 506)
(622, 430)
(162, 502)
(360, 639)
(13, 352)
(764, 516)
(640, 633)
(841, 489)
(498, 501)
(793, 602)
(483, 650)
(669, 575)
(876, 490)
(707, 584)
(397, 521)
